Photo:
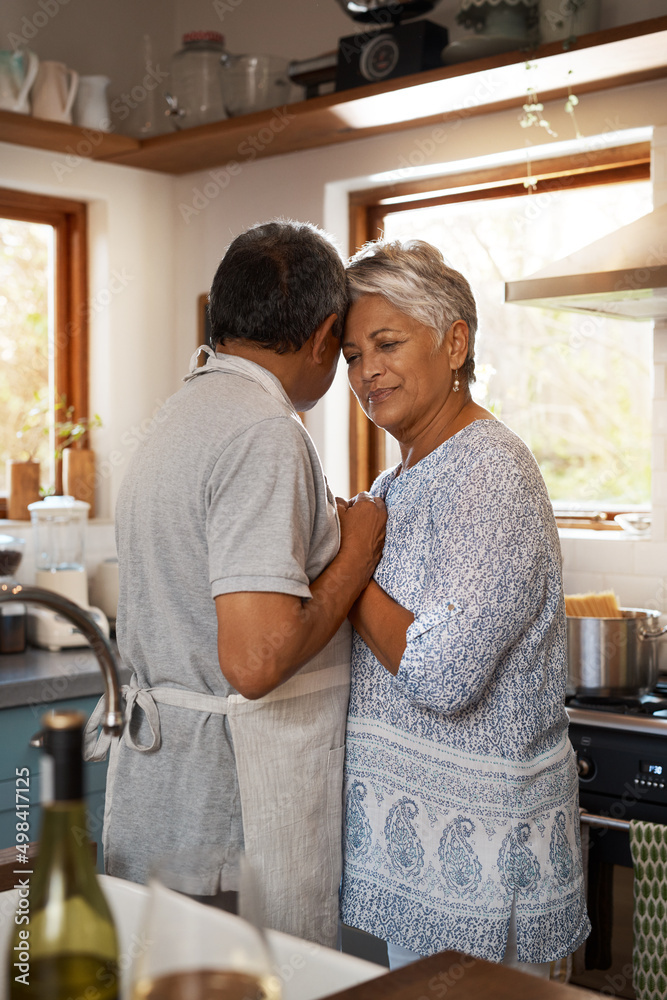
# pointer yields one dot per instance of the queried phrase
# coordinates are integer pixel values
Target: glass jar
(196, 80)
(12, 614)
(253, 83)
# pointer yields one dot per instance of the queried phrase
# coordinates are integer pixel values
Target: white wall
(134, 362)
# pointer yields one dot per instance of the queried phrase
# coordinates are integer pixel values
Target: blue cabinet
(17, 727)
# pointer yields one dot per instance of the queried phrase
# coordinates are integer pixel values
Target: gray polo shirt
(227, 494)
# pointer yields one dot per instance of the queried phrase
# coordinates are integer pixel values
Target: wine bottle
(64, 945)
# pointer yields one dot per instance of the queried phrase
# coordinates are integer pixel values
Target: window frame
(368, 207)
(69, 219)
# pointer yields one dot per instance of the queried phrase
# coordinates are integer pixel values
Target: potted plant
(78, 461)
(565, 19)
(511, 19)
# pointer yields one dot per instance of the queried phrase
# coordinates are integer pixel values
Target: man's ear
(321, 338)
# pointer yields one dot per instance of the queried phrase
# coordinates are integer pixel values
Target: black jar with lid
(13, 616)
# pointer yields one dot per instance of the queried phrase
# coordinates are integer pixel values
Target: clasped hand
(363, 520)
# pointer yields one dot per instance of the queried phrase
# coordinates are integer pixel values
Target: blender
(59, 525)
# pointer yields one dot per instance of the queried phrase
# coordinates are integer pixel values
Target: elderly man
(237, 571)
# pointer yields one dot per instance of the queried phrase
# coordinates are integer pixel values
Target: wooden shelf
(628, 54)
(23, 130)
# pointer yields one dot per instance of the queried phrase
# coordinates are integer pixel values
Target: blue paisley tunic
(461, 788)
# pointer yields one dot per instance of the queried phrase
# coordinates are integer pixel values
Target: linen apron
(289, 749)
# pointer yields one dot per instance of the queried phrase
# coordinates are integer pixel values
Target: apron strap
(298, 686)
(96, 746)
(230, 364)
(192, 367)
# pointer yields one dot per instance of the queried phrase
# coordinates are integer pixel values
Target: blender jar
(59, 525)
(13, 614)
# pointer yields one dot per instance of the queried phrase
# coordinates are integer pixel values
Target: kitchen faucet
(113, 717)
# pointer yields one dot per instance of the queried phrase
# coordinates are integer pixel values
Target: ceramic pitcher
(17, 75)
(91, 107)
(54, 92)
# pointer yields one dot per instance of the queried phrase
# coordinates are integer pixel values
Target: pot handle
(644, 634)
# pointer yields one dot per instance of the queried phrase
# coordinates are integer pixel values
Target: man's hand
(264, 638)
(362, 529)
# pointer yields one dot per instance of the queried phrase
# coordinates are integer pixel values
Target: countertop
(39, 677)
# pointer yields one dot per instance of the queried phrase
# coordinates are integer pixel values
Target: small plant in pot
(499, 18)
(78, 462)
(69, 431)
(563, 20)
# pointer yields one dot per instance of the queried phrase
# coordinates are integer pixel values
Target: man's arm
(264, 638)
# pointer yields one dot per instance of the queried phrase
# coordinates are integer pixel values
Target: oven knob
(585, 768)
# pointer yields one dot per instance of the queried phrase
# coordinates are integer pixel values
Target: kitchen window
(576, 388)
(43, 325)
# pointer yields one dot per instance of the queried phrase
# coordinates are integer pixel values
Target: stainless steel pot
(614, 657)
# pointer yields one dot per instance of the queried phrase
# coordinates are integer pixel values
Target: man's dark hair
(275, 285)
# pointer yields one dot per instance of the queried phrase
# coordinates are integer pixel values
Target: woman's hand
(379, 620)
(362, 528)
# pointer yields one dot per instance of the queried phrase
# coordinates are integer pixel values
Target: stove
(621, 748)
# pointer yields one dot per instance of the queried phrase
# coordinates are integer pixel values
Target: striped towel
(648, 842)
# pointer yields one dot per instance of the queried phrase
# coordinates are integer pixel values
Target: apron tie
(96, 746)
(143, 697)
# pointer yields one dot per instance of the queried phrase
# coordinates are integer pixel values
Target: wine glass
(204, 946)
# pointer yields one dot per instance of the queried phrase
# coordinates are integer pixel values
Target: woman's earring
(457, 384)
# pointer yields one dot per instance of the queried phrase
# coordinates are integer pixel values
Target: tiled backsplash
(100, 545)
(635, 570)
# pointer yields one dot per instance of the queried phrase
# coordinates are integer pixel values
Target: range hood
(623, 274)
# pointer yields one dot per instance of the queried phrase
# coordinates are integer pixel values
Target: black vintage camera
(394, 51)
(389, 48)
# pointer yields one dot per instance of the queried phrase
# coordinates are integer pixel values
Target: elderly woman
(462, 822)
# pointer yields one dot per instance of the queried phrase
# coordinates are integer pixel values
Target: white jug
(54, 91)
(91, 107)
(17, 75)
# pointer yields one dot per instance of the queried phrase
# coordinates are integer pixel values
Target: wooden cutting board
(459, 977)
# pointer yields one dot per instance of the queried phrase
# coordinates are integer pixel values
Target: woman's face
(400, 378)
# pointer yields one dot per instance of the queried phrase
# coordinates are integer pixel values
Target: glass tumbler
(198, 951)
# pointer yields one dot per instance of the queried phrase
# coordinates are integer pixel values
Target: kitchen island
(33, 682)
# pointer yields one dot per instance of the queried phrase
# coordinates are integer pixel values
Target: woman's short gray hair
(413, 277)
